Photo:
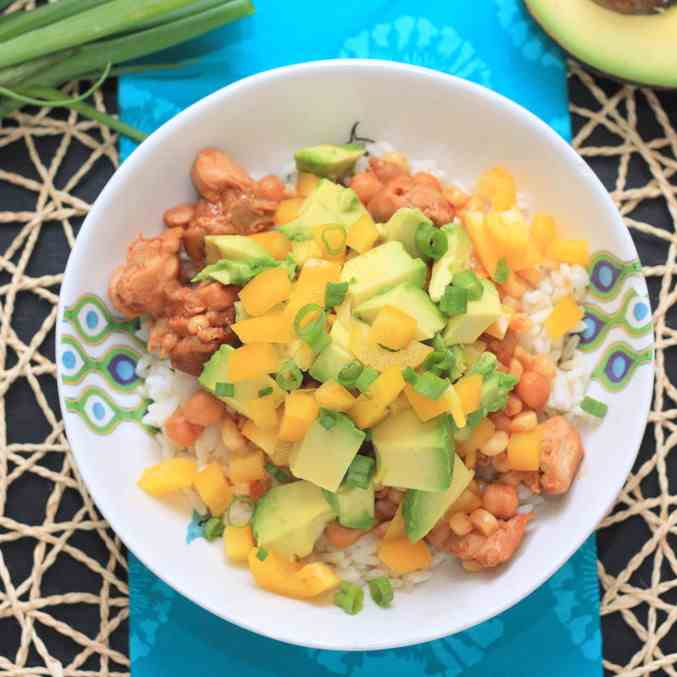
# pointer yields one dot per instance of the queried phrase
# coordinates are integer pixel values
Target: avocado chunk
(328, 204)
(290, 518)
(324, 454)
(215, 371)
(423, 509)
(233, 248)
(334, 357)
(402, 227)
(639, 49)
(411, 300)
(455, 260)
(411, 454)
(380, 269)
(329, 160)
(480, 314)
(354, 506)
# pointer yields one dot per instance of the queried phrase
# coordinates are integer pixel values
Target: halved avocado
(638, 48)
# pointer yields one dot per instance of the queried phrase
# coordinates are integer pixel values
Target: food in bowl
(360, 371)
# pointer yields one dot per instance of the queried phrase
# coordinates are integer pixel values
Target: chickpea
(484, 521)
(533, 389)
(544, 365)
(524, 422)
(501, 422)
(385, 509)
(342, 537)
(395, 158)
(501, 500)
(513, 407)
(179, 216)
(516, 368)
(496, 444)
(366, 186)
(181, 431)
(203, 409)
(460, 524)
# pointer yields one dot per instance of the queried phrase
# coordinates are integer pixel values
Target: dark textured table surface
(25, 425)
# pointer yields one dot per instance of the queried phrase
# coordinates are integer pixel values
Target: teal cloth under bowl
(554, 631)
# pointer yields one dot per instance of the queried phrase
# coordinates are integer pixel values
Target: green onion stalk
(44, 48)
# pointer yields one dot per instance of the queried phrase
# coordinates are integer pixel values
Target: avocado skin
(657, 83)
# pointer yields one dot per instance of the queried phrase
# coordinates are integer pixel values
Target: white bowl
(261, 121)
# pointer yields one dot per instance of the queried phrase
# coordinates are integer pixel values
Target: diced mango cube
(362, 234)
(510, 234)
(264, 439)
(247, 467)
(318, 578)
(484, 246)
(396, 529)
(276, 574)
(469, 391)
(263, 411)
(302, 354)
(569, 251)
(311, 285)
(332, 395)
(393, 328)
(497, 185)
(276, 243)
(370, 408)
(402, 556)
(524, 450)
(213, 488)
(288, 210)
(427, 409)
(300, 410)
(373, 355)
(480, 435)
(265, 291)
(564, 317)
(252, 361)
(543, 231)
(168, 476)
(237, 542)
(331, 239)
(271, 328)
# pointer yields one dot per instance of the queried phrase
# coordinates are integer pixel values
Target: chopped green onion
(264, 392)
(240, 511)
(502, 271)
(313, 333)
(454, 301)
(365, 379)
(289, 376)
(594, 407)
(280, 474)
(381, 591)
(333, 251)
(431, 241)
(335, 293)
(360, 472)
(431, 386)
(350, 598)
(212, 528)
(327, 419)
(224, 389)
(349, 374)
(470, 282)
(261, 554)
(409, 375)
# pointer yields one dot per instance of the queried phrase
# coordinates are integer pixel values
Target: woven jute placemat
(36, 602)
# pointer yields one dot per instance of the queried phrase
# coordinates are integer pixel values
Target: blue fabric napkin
(556, 630)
